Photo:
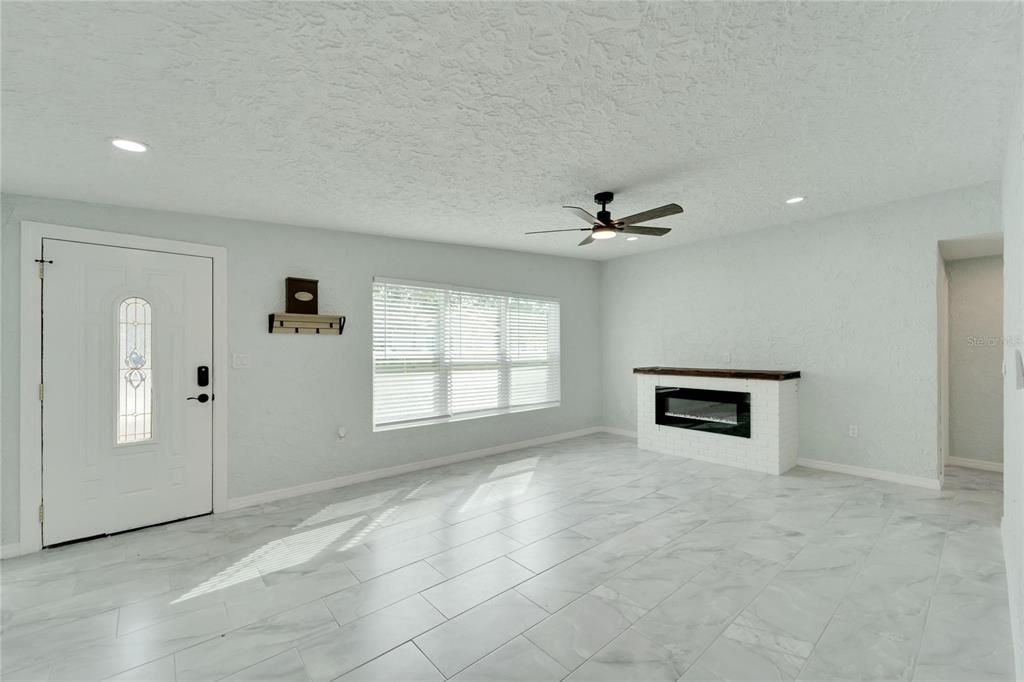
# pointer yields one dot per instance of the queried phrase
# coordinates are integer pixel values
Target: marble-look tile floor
(581, 560)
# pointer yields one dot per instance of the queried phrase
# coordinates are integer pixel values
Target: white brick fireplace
(704, 433)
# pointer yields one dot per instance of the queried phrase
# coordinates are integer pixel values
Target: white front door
(125, 332)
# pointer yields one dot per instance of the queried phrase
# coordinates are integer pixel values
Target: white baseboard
(974, 464)
(14, 549)
(362, 477)
(864, 472)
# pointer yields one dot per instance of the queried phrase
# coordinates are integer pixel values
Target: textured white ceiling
(472, 123)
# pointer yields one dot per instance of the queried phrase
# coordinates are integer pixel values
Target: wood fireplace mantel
(759, 374)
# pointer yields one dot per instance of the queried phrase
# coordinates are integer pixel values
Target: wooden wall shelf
(295, 323)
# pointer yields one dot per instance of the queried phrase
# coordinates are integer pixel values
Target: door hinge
(41, 264)
(40, 513)
(40, 393)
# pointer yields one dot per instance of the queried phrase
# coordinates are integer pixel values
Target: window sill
(462, 417)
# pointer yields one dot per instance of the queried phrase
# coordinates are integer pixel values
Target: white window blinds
(442, 353)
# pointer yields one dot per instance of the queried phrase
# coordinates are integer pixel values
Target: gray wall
(284, 412)
(848, 300)
(976, 359)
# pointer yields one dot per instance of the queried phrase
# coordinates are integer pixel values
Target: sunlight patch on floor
(494, 492)
(414, 493)
(360, 505)
(370, 527)
(525, 464)
(275, 555)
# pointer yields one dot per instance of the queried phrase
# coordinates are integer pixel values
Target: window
(135, 371)
(442, 353)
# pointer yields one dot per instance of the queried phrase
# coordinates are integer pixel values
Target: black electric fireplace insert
(725, 412)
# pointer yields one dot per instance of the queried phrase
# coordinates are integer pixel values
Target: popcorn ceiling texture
(473, 122)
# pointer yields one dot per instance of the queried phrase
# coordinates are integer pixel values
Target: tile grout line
(846, 591)
(235, 672)
(754, 598)
(305, 670)
(647, 611)
(931, 596)
(569, 502)
(839, 601)
(448, 620)
(425, 657)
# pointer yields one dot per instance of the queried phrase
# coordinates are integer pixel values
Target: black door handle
(202, 397)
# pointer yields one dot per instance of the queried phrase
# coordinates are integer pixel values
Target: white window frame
(391, 426)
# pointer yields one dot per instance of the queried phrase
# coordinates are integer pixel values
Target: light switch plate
(240, 361)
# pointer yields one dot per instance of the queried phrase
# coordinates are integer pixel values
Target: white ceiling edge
(954, 249)
(12, 202)
(981, 246)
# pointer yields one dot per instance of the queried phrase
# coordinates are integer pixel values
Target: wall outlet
(240, 361)
(854, 431)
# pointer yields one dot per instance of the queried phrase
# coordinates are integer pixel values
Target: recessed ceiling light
(794, 200)
(632, 239)
(129, 145)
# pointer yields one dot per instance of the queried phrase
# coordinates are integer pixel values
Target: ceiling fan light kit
(603, 226)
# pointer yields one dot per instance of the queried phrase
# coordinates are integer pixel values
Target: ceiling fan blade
(588, 240)
(585, 215)
(644, 229)
(654, 213)
(571, 229)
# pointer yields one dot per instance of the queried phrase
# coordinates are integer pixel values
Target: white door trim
(31, 455)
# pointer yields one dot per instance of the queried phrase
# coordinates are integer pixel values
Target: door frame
(31, 428)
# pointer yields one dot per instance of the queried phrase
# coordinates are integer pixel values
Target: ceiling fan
(602, 226)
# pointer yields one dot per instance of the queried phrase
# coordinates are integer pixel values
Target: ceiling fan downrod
(603, 199)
